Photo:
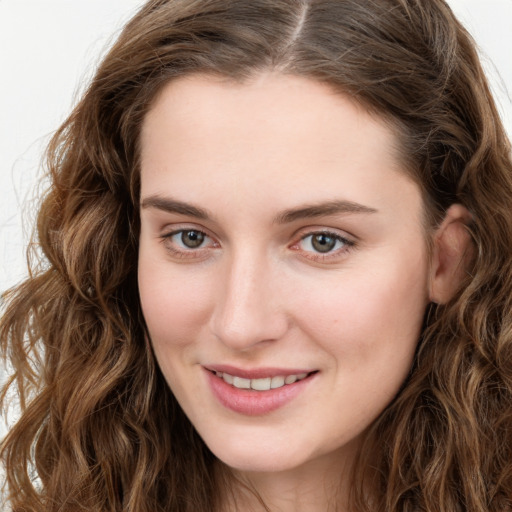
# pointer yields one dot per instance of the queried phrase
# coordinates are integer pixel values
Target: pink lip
(250, 402)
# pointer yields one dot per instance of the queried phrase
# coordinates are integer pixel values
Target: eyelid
(316, 229)
(171, 229)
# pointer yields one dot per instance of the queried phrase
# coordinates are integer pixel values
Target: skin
(257, 293)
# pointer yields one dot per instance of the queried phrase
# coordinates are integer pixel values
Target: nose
(250, 309)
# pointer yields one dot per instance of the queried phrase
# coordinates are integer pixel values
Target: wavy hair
(99, 428)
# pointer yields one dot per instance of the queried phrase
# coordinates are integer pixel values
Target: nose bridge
(248, 310)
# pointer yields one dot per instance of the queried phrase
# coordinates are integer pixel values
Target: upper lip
(255, 373)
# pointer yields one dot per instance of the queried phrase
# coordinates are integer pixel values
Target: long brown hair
(99, 428)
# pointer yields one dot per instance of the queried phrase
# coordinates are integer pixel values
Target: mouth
(261, 384)
(259, 391)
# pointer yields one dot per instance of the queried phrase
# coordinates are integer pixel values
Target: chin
(259, 457)
(261, 464)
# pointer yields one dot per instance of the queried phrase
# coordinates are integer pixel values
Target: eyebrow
(304, 212)
(174, 206)
(322, 209)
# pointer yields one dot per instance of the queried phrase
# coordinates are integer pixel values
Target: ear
(452, 252)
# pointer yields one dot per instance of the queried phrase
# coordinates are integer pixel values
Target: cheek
(365, 314)
(175, 307)
(175, 304)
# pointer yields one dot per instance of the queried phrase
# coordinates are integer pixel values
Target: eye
(188, 243)
(190, 238)
(321, 242)
(321, 245)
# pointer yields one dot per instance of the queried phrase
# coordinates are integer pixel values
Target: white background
(48, 50)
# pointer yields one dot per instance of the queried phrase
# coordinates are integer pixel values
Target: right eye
(187, 243)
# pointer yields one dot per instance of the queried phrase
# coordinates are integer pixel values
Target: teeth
(277, 382)
(290, 379)
(241, 383)
(261, 384)
(264, 384)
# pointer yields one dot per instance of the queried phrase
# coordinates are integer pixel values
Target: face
(283, 265)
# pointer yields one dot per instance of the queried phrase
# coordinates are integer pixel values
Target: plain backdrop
(48, 51)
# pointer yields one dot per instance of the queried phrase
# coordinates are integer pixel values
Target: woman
(278, 275)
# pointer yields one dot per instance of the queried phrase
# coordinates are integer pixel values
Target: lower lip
(254, 403)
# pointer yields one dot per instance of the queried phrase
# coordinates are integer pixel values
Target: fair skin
(278, 240)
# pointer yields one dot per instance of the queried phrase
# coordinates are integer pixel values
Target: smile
(263, 384)
(258, 391)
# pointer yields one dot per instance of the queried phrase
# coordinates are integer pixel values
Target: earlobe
(452, 253)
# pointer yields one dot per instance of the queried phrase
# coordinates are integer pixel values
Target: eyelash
(184, 252)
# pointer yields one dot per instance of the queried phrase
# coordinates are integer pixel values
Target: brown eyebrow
(304, 212)
(319, 210)
(174, 206)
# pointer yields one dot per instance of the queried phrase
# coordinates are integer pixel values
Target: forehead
(277, 136)
(269, 99)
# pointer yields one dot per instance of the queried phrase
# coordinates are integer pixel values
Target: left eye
(323, 242)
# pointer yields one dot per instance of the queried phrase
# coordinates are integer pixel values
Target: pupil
(323, 243)
(192, 239)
